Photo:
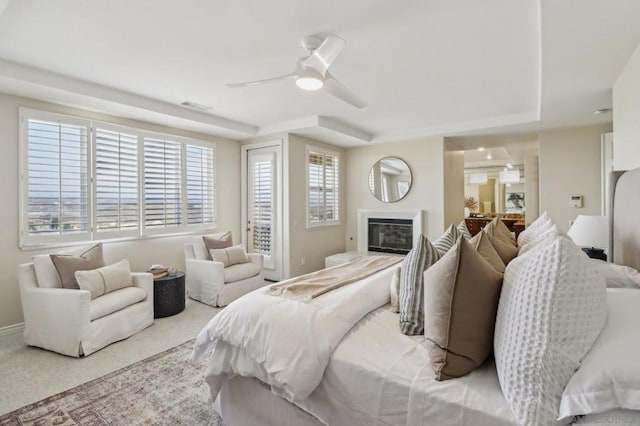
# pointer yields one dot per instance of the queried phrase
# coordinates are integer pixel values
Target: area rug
(165, 389)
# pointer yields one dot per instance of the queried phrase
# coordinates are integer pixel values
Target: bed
(377, 376)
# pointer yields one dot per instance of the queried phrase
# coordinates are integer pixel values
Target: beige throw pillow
(461, 300)
(217, 241)
(229, 256)
(106, 279)
(505, 250)
(501, 231)
(67, 264)
(483, 246)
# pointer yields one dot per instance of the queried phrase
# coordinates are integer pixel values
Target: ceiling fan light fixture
(310, 79)
(309, 83)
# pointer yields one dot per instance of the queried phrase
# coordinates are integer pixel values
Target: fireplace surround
(392, 226)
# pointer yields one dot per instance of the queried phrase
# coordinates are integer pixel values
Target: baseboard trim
(11, 329)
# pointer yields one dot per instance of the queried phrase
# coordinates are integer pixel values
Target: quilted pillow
(552, 308)
(411, 301)
(541, 234)
(463, 230)
(447, 240)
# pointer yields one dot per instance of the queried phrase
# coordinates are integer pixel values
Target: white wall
(425, 159)
(569, 164)
(142, 252)
(311, 244)
(453, 187)
(626, 115)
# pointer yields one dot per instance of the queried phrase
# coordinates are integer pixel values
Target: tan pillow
(229, 256)
(106, 279)
(217, 241)
(501, 231)
(505, 250)
(461, 301)
(481, 243)
(67, 264)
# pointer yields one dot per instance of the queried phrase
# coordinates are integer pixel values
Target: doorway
(262, 203)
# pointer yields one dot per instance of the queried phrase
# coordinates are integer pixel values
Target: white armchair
(210, 282)
(67, 321)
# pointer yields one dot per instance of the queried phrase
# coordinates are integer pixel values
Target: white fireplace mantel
(363, 224)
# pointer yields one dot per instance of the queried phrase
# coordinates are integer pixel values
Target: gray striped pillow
(447, 240)
(463, 230)
(411, 301)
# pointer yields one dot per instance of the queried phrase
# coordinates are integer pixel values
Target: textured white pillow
(526, 235)
(541, 233)
(609, 376)
(552, 308)
(617, 276)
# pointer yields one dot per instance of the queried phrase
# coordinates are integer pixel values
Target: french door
(262, 205)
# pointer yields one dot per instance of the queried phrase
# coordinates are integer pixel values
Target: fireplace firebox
(390, 235)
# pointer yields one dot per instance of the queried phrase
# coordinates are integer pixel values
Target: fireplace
(390, 235)
(400, 230)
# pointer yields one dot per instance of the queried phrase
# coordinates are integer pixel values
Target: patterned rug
(165, 389)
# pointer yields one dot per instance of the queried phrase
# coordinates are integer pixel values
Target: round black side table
(168, 295)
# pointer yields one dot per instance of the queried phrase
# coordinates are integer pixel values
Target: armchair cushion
(115, 301)
(241, 271)
(67, 264)
(106, 279)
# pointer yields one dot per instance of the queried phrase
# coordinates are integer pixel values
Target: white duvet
(283, 342)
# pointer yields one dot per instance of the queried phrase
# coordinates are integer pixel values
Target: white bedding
(379, 376)
(283, 342)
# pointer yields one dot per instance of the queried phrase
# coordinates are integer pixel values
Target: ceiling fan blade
(337, 89)
(266, 80)
(322, 57)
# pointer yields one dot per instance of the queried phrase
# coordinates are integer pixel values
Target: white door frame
(282, 198)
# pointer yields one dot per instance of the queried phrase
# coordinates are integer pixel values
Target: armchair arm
(256, 258)
(205, 279)
(55, 318)
(144, 280)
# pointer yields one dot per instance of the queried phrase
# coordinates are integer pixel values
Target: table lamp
(591, 233)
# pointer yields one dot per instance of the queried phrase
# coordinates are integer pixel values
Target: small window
(323, 187)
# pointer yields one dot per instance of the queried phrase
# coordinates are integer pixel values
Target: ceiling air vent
(196, 106)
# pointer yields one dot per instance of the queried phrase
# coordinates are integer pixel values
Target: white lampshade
(590, 231)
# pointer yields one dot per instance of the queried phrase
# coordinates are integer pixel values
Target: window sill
(319, 226)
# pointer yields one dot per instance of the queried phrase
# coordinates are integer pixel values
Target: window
(84, 180)
(323, 183)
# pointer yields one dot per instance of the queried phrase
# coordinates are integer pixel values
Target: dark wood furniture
(475, 224)
(168, 295)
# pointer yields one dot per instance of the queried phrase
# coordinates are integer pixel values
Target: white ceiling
(426, 67)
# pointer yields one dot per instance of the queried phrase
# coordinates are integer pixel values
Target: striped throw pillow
(447, 240)
(464, 231)
(411, 300)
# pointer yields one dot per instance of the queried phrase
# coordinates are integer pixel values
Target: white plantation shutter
(55, 191)
(116, 182)
(262, 199)
(83, 180)
(200, 163)
(323, 183)
(162, 184)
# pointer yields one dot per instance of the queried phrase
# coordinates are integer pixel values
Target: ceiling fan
(312, 71)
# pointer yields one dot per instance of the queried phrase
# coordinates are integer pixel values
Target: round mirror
(390, 179)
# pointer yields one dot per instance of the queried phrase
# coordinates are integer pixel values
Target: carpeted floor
(165, 389)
